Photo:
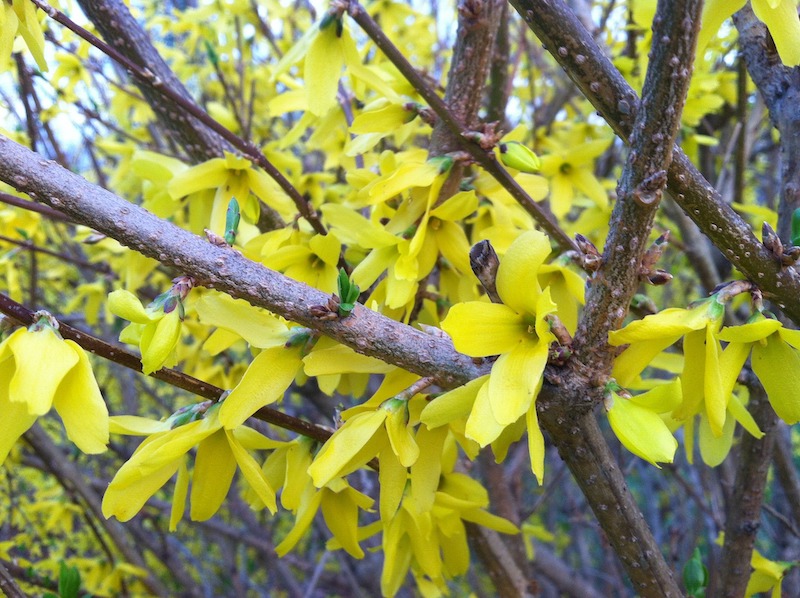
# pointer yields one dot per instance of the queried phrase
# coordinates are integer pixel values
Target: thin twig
(173, 377)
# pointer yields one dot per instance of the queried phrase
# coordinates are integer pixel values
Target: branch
(101, 348)
(70, 478)
(8, 585)
(603, 85)
(222, 268)
(203, 138)
(655, 128)
(743, 517)
(779, 85)
(485, 159)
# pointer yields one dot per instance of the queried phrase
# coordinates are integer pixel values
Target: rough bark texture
(644, 176)
(225, 269)
(121, 30)
(603, 85)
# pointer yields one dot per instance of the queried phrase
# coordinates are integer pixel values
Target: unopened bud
(516, 155)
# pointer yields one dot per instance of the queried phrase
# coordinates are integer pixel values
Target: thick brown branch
(675, 28)
(603, 85)
(743, 515)
(364, 330)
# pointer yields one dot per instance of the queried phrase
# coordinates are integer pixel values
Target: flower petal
(481, 426)
(518, 274)
(16, 420)
(778, 367)
(345, 444)
(515, 380)
(452, 405)
(642, 431)
(42, 360)
(214, 467)
(81, 406)
(479, 328)
(252, 472)
(264, 382)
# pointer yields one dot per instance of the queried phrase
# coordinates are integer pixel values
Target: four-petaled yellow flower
(163, 453)
(518, 331)
(40, 370)
(704, 379)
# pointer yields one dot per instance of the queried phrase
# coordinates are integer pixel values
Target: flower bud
(516, 155)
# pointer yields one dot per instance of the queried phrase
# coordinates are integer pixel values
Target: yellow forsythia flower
(637, 424)
(163, 453)
(516, 330)
(780, 17)
(39, 370)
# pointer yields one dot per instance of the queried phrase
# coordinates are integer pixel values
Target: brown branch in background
(175, 378)
(33, 206)
(655, 128)
(26, 575)
(485, 159)
(785, 469)
(780, 88)
(8, 586)
(478, 21)
(25, 93)
(779, 85)
(740, 161)
(605, 87)
(157, 83)
(101, 268)
(743, 513)
(72, 479)
(500, 73)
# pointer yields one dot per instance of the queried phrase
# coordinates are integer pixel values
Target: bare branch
(364, 330)
(675, 28)
(603, 85)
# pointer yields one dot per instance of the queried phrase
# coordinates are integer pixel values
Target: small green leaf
(232, 217)
(695, 575)
(69, 581)
(211, 53)
(796, 227)
(348, 293)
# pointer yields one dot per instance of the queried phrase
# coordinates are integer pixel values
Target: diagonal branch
(603, 85)
(675, 28)
(202, 137)
(224, 269)
(178, 379)
(486, 159)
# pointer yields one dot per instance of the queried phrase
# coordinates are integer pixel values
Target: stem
(743, 518)
(157, 82)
